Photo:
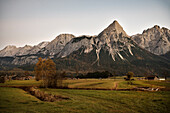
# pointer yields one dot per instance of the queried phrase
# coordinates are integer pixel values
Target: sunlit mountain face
(112, 50)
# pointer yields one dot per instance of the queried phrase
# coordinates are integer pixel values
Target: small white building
(161, 78)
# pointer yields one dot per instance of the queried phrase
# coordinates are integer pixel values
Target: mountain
(115, 40)
(35, 48)
(155, 39)
(75, 44)
(9, 51)
(12, 51)
(112, 50)
(23, 50)
(49, 49)
(56, 45)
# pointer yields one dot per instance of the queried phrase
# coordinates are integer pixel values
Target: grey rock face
(35, 48)
(115, 39)
(8, 51)
(25, 60)
(22, 50)
(156, 40)
(57, 44)
(12, 51)
(75, 44)
(30, 53)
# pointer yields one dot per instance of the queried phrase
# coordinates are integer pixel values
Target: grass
(95, 83)
(21, 83)
(15, 100)
(165, 84)
(138, 83)
(91, 83)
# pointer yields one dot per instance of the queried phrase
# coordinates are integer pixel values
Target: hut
(152, 77)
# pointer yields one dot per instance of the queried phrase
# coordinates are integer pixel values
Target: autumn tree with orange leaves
(45, 70)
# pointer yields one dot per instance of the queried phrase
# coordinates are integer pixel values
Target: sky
(33, 21)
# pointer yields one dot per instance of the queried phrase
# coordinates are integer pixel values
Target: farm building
(152, 77)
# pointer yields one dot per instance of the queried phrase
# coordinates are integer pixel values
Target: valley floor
(15, 100)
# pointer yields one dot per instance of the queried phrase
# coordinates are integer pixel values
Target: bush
(2, 79)
(129, 75)
(55, 81)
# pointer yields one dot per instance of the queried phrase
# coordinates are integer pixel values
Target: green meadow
(15, 100)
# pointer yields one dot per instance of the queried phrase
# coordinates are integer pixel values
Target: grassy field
(21, 83)
(120, 83)
(14, 100)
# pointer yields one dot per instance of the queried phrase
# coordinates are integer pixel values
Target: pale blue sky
(33, 21)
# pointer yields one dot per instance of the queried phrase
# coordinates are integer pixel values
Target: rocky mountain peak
(115, 40)
(56, 45)
(35, 49)
(10, 47)
(27, 47)
(9, 50)
(116, 25)
(156, 27)
(65, 36)
(113, 31)
(155, 40)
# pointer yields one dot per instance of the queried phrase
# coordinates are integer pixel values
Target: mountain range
(112, 50)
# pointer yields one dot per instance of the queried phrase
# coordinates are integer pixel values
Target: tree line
(97, 74)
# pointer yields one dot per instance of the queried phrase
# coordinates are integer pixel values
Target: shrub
(129, 75)
(2, 79)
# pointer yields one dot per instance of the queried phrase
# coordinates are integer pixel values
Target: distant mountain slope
(112, 50)
(141, 62)
(75, 44)
(36, 48)
(56, 45)
(156, 40)
(12, 51)
(9, 51)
